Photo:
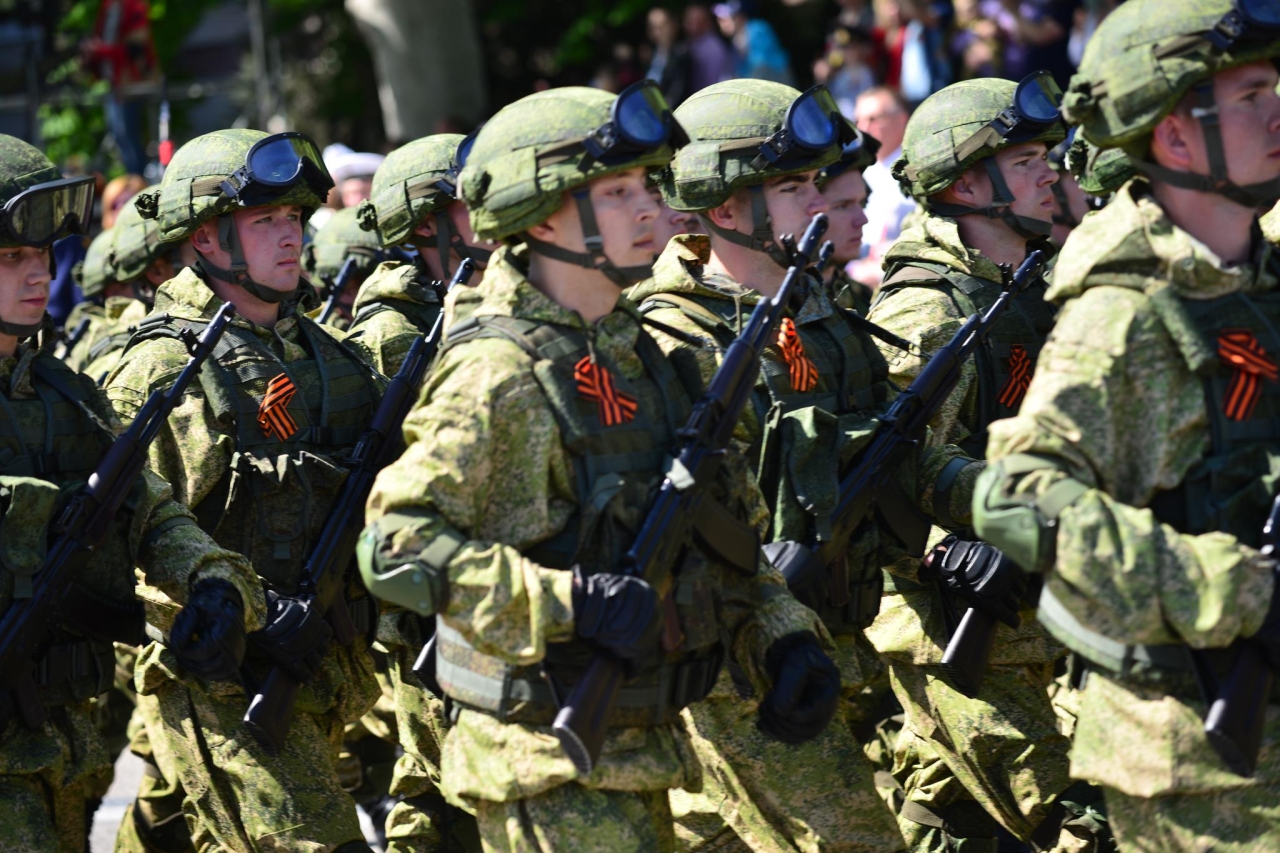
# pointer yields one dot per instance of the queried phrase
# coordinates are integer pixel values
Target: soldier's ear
(427, 227)
(203, 240)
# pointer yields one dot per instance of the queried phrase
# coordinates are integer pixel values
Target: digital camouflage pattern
(340, 238)
(1116, 405)
(404, 188)
(155, 818)
(396, 305)
(827, 780)
(135, 244)
(98, 324)
(121, 316)
(849, 294)
(23, 166)
(1098, 171)
(483, 422)
(239, 796)
(94, 273)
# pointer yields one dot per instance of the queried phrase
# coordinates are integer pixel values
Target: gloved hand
(295, 637)
(982, 575)
(208, 634)
(807, 578)
(619, 613)
(805, 692)
(1268, 636)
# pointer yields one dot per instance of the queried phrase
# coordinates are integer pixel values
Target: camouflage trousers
(1245, 820)
(154, 822)
(47, 780)
(968, 766)
(571, 818)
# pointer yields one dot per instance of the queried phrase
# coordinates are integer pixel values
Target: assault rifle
(901, 429)
(77, 334)
(335, 290)
(270, 710)
(1235, 720)
(84, 524)
(674, 513)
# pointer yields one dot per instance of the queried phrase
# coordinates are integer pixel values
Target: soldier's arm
(482, 478)
(928, 318)
(1112, 416)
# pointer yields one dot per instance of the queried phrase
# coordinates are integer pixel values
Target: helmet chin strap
(594, 258)
(761, 237)
(448, 238)
(229, 240)
(1000, 208)
(1262, 195)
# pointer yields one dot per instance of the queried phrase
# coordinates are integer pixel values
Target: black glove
(619, 613)
(982, 575)
(807, 578)
(1268, 636)
(805, 692)
(208, 634)
(295, 637)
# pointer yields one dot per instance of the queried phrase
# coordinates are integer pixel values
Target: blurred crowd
(880, 58)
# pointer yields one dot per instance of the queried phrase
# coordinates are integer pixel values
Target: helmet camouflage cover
(95, 271)
(526, 157)
(726, 123)
(340, 238)
(136, 244)
(22, 166)
(191, 193)
(404, 187)
(1099, 171)
(933, 152)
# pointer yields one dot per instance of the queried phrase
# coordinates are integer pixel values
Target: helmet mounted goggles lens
(640, 120)
(813, 123)
(46, 212)
(274, 164)
(1248, 20)
(1037, 98)
(449, 183)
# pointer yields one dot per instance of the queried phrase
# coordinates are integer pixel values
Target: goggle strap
(211, 186)
(424, 188)
(988, 137)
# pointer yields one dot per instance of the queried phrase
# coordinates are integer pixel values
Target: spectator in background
(669, 67)
(352, 174)
(122, 52)
(856, 14)
(882, 113)
(710, 59)
(116, 194)
(1036, 36)
(760, 54)
(923, 62)
(977, 45)
(846, 66)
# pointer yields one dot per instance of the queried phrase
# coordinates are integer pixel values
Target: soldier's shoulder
(1110, 247)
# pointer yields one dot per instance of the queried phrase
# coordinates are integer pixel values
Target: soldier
(256, 450)
(57, 428)
(1070, 202)
(87, 320)
(815, 403)
(138, 264)
(415, 201)
(986, 190)
(1138, 474)
(540, 434)
(846, 193)
(323, 258)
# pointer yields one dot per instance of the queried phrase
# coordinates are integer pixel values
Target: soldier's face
(1249, 113)
(670, 222)
(24, 284)
(792, 201)
(625, 213)
(271, 239)
(1027, 172)
(846, 197)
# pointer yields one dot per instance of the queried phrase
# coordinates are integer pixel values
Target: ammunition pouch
(66, 673)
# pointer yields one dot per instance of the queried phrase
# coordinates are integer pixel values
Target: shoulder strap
(689, 306)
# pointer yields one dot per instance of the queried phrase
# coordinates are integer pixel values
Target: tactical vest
(421, 314)
(852, 387)
(276, 496)
(1229, 489)
(1006, 360)
(52, 437)
(616, 469)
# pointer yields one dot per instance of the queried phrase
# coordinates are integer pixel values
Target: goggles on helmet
(46, 212)
(273, 165)
(449, 183)
(861, 147)
(1248, 20)
(1034, 110)
(813, 124)
(640, 120)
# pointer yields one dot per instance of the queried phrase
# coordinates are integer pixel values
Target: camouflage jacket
(396, 306)
(197, 451)
(929, 310)
(486, 460)
(104, 354)
(1116, 406)
(99, 321)
(849, 294)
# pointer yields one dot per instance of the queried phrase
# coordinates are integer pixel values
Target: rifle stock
(583, 719)
(270, 711)
(85, 522)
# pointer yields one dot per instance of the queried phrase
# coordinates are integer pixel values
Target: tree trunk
(428, 62)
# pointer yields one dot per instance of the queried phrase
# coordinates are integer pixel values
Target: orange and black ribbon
(273, 413)
(1250, 365)
(1019, 377)
(804, 373)
(596, 384)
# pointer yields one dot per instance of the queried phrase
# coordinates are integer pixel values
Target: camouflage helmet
(741, 134)
(535, 150)
(1099, 171)
(340, 238)
(856, 155)
(406, 187)
(966, 124)
(136, 245)
(94, 272)
(208, 178)
(1146, 56)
